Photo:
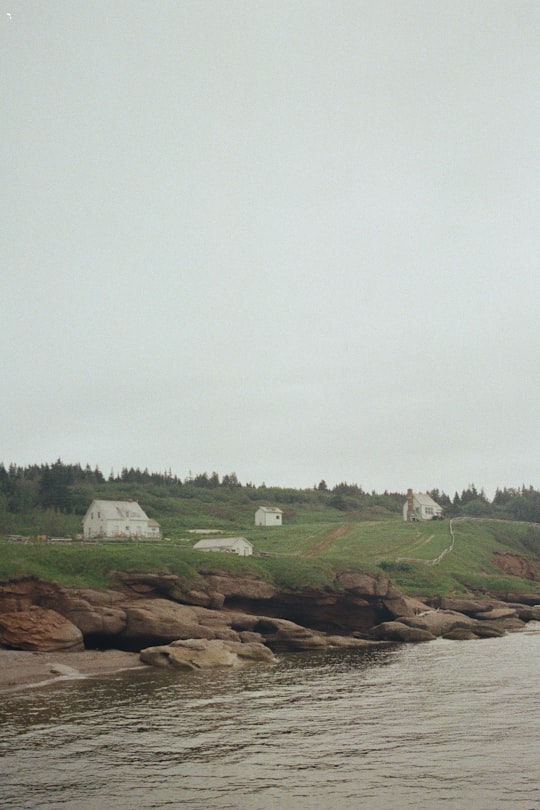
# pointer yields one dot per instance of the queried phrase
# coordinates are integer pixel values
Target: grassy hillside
(308, 554)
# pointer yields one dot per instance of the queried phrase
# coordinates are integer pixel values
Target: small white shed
(268, 516)
(421, 506)
(227, 545)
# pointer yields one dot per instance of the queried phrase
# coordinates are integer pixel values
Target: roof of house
(220, 542)
(423, 499)
(270, 509)
(118, 510)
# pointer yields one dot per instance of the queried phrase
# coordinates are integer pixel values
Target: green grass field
(308, 555)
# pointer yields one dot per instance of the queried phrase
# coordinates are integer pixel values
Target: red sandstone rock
(39, 629)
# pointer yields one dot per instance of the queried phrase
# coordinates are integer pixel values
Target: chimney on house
(409, 504)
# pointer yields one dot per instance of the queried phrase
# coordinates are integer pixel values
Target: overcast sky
(288, 238)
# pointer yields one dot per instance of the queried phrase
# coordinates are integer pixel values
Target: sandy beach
(20, 669)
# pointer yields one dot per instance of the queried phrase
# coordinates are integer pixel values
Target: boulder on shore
(38, 628)
(194, 654)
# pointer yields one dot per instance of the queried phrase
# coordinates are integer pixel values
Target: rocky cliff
(149, 610)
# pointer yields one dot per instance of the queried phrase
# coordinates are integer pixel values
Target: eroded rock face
(36, 628)
(517, 566)
(364, 584)
(145, 611)
(23, 593)
(240, 587)
(168, 586)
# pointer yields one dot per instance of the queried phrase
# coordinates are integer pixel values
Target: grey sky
(297, 240)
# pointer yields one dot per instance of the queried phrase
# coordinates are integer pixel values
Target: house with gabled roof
(119, 520)
(268, 516)
(227, 545)
(421, 506)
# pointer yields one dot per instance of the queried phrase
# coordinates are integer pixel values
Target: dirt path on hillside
(326, 542)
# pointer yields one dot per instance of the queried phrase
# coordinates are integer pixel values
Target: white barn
(421, 506)
(119, 520)
(268, 516)
(227, 545)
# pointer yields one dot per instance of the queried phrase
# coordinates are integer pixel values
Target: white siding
(118, 520)
(226, 545)
(424, 507)
(265, 516)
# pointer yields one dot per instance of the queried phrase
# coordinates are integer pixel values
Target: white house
(268, 516)
(119, 520)
(421, 506)
(227, 545)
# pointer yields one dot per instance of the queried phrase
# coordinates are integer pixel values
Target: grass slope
(309, 555)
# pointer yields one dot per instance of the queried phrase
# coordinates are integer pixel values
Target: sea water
(446, 724)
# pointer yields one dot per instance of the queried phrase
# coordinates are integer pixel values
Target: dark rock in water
(397, 631)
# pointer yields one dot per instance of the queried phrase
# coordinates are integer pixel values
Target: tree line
(69, 488)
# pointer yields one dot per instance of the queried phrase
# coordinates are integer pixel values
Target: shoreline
(20, 669)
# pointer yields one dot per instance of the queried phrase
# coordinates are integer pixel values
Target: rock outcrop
(153, 610)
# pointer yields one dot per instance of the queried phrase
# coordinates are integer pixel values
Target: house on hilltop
(268, 516)
(421, 506)
(119, 520)
(227, 545)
